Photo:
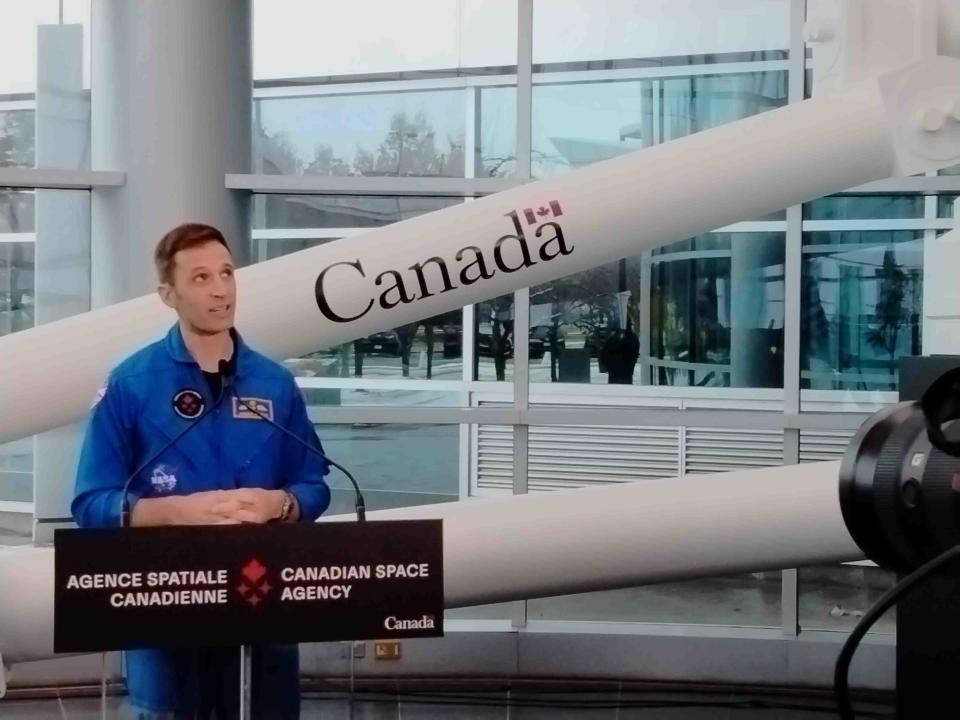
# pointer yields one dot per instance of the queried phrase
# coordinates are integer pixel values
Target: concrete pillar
(171, 106)
(62, 249)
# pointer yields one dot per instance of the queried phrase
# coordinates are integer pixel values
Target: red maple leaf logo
(254, 586)
(254, 570)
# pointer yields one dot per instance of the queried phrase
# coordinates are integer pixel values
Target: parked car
(485, 345)
(540, 340)
(386, 342)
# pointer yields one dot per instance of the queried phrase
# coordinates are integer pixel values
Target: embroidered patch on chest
(188, 403)
(250, 408)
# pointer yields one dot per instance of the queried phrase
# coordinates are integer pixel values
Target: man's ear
(168, 295)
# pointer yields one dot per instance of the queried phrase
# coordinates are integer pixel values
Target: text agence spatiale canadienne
(193, 578)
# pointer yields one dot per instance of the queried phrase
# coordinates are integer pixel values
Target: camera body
(900, 498)
(900, 476)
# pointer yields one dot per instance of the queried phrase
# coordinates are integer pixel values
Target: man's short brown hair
(183, 237)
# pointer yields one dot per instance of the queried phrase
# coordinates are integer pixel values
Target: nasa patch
(163, 479)
(188, 403)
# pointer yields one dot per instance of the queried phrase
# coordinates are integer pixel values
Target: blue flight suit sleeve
(104, 466)
(304, 471)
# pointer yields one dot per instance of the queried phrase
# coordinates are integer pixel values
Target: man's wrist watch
(286, 510)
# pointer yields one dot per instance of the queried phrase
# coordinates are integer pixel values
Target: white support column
(171, 106)
(62, 245)
(941, 296)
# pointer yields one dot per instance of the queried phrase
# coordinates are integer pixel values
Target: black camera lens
(899, 476)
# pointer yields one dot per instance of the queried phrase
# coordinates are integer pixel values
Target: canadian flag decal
(542, 213)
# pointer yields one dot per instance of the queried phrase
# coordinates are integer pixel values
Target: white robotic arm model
(902, 118)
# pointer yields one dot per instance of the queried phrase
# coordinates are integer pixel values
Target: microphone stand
(246, 651)
(246, 682)
(360, 504)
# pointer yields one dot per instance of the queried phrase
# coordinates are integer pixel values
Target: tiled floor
(494, 706)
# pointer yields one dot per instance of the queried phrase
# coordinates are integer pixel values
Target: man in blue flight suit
(232, 468)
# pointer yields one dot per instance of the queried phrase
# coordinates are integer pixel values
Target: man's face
(204, 291)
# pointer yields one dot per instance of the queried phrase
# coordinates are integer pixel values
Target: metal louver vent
(565, 457)
(823, 446)
(713, 450)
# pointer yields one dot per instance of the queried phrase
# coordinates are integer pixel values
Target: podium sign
(195, 586)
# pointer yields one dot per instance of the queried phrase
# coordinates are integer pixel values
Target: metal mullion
(381, 87)
(521, 388)
(467, 449)
(43, 178)
(471, 131)
(790, 577)
(919, 185)
(658, 73)
(883, 225)
(365, 185)
(521, 298)
(792, 269)
(524, 88)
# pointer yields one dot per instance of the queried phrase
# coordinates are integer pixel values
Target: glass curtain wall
(44, 233)
(705, 321)
(401, 93)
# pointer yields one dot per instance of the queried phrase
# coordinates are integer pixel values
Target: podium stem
(246, 677)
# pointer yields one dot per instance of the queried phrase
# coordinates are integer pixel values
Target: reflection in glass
(493, 339)
(16, 471)
(669, 319)
(370, 396)
(17, 260)
(417, 351)
(395, 465)
(861, 307)
(864, 207)
(276, 212)
(17, 211)
(748, 600)
(576, 124)
(400, 134)
(17, 292)
(495, 154)
(835, 597)
(701, 102)
(17, 138)
(44, 277)
(717, 316)
(427, 349)
(945, 206)
(659, 32)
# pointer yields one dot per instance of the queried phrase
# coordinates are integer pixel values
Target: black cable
(125, 492)
(841, 688)
(360, 506)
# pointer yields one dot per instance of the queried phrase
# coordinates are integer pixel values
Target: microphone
(360, 505)
(226, 378)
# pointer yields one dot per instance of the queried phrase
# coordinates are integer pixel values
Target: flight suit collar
(178, 350)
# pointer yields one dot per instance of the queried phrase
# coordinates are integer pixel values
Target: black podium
(240, 585)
